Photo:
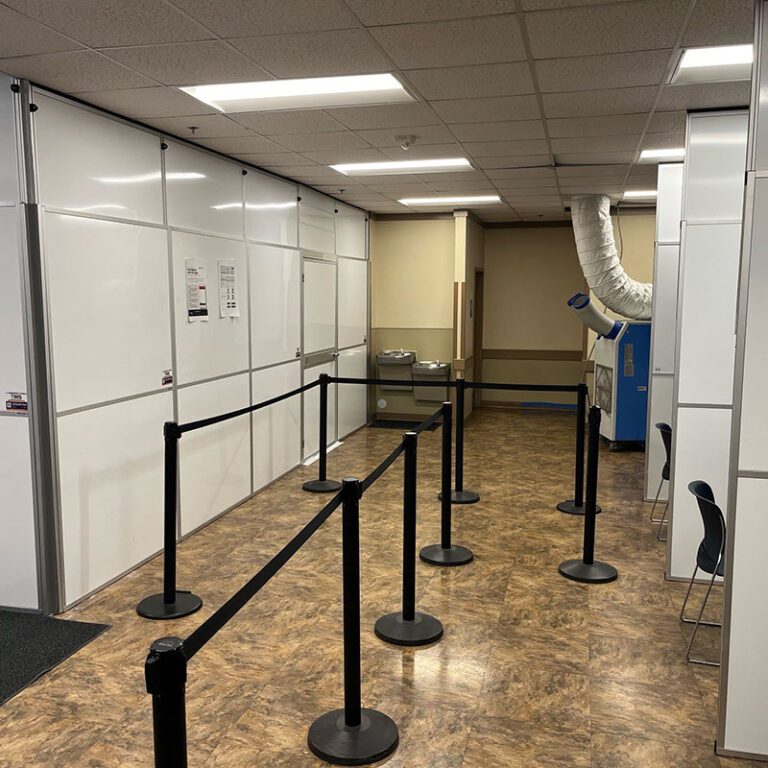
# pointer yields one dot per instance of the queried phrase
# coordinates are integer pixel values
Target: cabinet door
(353, 302)
(350, 232)
(319, 306)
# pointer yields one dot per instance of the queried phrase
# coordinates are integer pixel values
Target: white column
(713, 192)
(744, 672)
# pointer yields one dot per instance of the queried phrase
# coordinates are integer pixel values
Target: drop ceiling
(547, 98)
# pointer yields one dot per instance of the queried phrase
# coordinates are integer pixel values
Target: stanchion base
(155, 607)
(322, 486)
(374, 739)
(455, 555)
(423, 630)
(595, 573)
(462, 497)
(570, 508)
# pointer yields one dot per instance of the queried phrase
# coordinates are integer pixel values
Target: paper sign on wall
(16, 402)
(228, 303)
(197, 292)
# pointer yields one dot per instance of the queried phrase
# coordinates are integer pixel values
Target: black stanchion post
(323, 484)
(353, 735)
(165, 672)
(446, 553)
(575, 506)
(172, 603)
(407, 627)
(459, 494)
(587, 569)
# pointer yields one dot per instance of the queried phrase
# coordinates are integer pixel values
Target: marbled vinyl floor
(533, 672)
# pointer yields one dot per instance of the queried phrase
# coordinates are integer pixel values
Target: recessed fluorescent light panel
(640, 194)
(719, 63)
(455, 200)
(662, 155)
(301, 93)
(394, 167)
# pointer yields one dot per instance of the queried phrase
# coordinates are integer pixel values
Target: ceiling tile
(155, 101)
(614, 180)
(588, 144)
(664, 140)
(599, 102)
(425, 151)
(22, 36)
(596, 158)
(402, 190)
(315, 54)
(488, 110)
(519, 129)
(294, 171)
(539, 5)
(406, 178)
(543, 175)
(208, 61)
(274, 159)
(424, 134)
(292, 121)
(394, 115)
(240, 145)
(100, 23)
(208, 126)
(592, 170)
(639, 26)
(507, 148)
(476, 187)
(721, 22)
(533, 196)
(335, 156)
(615, 70)
(350, 190)
(608, 125)
(481, 81)
(458, 176)
(667, 122)
(505, 161)
(376, 12)
(316, 142)
(452, 43)
(74, 71)
(705, 96)
(644, 173)
(245, 18)
(591, 188)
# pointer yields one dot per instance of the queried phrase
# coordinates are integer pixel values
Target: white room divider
(744, 671)
(662, 369)
(713, 191)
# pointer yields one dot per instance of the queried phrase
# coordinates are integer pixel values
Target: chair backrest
(666, 437)
(713, 543)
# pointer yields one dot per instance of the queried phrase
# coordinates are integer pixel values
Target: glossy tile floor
(533, 670)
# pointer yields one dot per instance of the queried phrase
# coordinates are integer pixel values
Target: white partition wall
(713, 191)
(353, 398)
(665, 269)
(744, 671)
(312, 409)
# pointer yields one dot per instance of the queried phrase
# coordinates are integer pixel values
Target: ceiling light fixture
(301, 93)
(640, 194)
(716, 63)
(394, 167)
(453, 200)
(674, 153)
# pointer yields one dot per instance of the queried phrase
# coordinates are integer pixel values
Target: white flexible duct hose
(592, 317)
(600, 263)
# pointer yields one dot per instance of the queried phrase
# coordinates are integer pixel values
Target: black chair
(710, 558)
(666, 437)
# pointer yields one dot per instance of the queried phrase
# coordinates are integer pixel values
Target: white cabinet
(353, 398)
(353, 302)
(275, 275)
(319, 306)
(350, 232)
(271, 209)
(312, 409)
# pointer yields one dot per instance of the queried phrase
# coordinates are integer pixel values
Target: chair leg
(656, 501)
(662, 521)
(698, 623)
(683, 617)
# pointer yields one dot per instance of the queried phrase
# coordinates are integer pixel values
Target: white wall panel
(89, 163)
(660, 410)
(701, 439)
(669, 203)
(316, 221)
(205, 193)
(312, 409)
(215, 461)
(271, 209)
(353, 302)
(9, 167)
(111, 478)
(350, 232)
(275, 275)
(353, 398)
(18, 559)
(665, 308)
(219, 346)
(109, 308)
(276, 429)
(319, 306)
(707, 313)
(13, 374)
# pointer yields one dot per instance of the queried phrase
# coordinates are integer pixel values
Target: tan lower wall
(530, 372)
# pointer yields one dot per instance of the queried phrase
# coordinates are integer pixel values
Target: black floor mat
(403, 426)
(31, 645)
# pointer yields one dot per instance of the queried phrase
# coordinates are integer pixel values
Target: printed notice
(16, 402)
(228, 303)
(197, 292)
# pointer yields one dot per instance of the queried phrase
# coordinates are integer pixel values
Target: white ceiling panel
(607, 125)
(208, 61)
(500, 108)
(423, 134)
(479, 81)
(503, 131)
(394, 115)
(706, 96)
(378, 12)
(315, 54)
(275, 159)
(614, 70)
(74, 71)
(579, 171)
(639, 26)
(594, 158)
(207, 126)
(664, 140)
(246, 18)
(721, 22)
(588, 144)
(238, 145)
(316, 142)
(605, 101)
(21, 36)
(541, 176)
(334, 156)
(292, 121)
(475, 187)
(425, 152)
(510, 148)
(402, 190)
(518, 161)
(540, 5)
(154, 101)
(667, 122)
(482, 40)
